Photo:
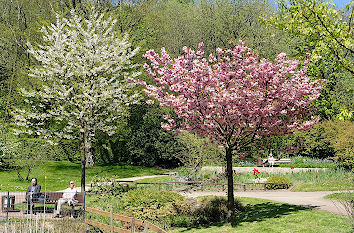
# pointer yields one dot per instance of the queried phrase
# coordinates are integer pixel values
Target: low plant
(213, 210)
(108, 186)
(153, 205)
(278, 179)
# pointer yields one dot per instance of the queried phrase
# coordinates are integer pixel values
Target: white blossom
(84, 68)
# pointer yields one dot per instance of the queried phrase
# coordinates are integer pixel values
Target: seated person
(68, 197)
(32, 194)
(271, 159)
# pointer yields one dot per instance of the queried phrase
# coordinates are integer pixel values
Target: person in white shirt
(68, 197)
(271, 159)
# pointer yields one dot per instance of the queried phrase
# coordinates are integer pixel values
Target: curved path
(312, 200)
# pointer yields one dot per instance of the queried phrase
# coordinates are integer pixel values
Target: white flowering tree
(83, 89)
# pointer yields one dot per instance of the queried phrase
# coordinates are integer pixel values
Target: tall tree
(186, 23)
(232, 98)
(83, 70)
(328, 31)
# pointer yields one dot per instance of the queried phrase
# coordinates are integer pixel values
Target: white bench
(276, 161)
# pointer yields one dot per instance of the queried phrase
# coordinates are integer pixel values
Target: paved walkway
(311, 200)
(128, 179)
(140, 178)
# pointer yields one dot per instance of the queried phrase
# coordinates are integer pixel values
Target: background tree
(149, 144)
(328, 34)
(232, 98)
(327, 30)
(186, 23)
(83, 90)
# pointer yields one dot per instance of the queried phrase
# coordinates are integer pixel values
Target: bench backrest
(55, 196)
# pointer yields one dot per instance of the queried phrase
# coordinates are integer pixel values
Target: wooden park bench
(53, 197)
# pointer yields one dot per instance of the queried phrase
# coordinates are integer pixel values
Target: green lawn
(267, 216)
(59, 174)
(340, 184)
(342, 196)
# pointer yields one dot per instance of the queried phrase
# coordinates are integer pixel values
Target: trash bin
(4, 203)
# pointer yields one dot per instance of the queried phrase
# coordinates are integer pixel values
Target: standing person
(271, 159)
(68, 197)
(32, 194)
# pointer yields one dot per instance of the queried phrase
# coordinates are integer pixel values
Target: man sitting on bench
(32, 194)
(68, 197)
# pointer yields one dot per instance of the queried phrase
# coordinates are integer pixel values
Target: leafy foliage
(149, 144)
(322, 26)
(332, 139)
(106, 186)
(214, 209)
(154, 205)
(197, 151)
(278, 179)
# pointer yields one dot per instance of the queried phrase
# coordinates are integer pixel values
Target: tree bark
(83, 160)
(230, 182)
(83, 167)
(89, 150)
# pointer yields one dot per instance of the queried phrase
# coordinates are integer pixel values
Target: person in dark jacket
(32, 194)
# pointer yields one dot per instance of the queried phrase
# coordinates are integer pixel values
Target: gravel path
(131, 179)
(139, 178)
(313, 200)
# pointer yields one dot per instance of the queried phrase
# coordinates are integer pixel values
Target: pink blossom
(232, 97)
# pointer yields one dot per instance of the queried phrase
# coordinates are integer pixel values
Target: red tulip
(255, 170)
(292, 167)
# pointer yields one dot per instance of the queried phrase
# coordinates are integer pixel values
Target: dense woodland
(173, 24)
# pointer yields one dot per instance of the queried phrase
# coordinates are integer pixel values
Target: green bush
(108, 186)
(214, 209)
(154, 205)
(278, 179)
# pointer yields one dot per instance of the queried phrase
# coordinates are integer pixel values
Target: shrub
(154, 205)
(345, 159)
(108, 186)
(214, 209)
(278, 179)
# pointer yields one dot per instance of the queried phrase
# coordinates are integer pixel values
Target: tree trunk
(83, 160)
(19, 175)
(89, 151)
(83, 167)
(28, 173)
(230, 182)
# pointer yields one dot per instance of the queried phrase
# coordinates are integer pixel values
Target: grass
(161, 179)
(259, 216)
(341, 184)
(343, 196)
(59, 173)
(267, 216)
(323, 180)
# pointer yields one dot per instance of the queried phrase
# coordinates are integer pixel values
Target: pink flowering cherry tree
(232, 97)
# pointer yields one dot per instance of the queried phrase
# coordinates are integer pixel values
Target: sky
(340, 4)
